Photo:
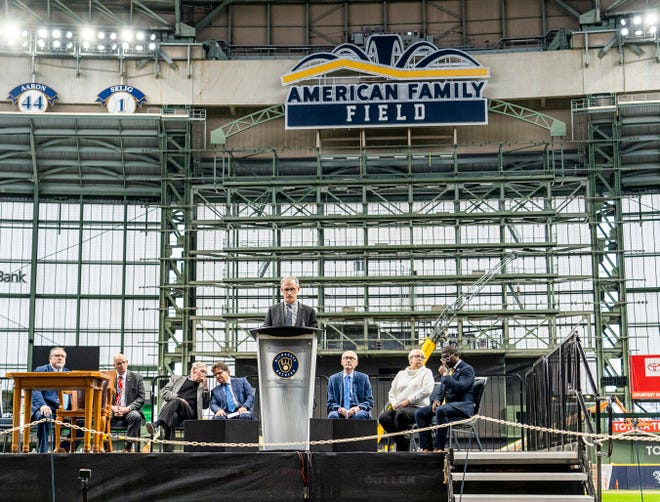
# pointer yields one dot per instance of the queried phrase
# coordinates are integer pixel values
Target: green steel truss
(177, 298)
(557, 128)
(381, 240)
(381, 288)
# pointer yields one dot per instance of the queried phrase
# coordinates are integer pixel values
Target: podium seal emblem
(285, 364)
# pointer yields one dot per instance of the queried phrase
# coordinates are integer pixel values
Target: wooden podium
(89, 381)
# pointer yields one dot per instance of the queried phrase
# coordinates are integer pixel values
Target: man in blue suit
(349, 391)
(233, 397)
(454, 400)
(46, 402)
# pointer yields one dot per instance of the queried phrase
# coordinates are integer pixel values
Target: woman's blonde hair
(415, 351)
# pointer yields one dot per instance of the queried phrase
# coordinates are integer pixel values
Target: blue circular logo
(285, 364)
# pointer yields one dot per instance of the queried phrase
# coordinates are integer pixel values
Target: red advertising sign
(645, 376)
(642, 425)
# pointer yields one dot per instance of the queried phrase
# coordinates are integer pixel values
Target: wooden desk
(89, 381)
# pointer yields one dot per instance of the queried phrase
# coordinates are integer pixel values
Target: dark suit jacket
(362, 395)
(306, 316)
(171, 392)
(243, 392)
(457, 389)
(49, 397)
(134, 390)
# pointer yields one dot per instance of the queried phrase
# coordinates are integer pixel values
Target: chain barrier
(590, 438)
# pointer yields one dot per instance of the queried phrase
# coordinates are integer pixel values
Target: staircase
(517, 476)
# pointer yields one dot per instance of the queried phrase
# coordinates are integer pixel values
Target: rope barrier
(590, 438)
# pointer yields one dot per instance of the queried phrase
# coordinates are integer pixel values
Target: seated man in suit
(349, 391)
(233, 397)
(290, 312)
(452, 402)
(46, 402)
(129, 398)
(186, 397)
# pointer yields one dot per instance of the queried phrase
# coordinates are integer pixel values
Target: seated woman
(410, 391)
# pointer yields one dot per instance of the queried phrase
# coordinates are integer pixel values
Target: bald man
(349, 391)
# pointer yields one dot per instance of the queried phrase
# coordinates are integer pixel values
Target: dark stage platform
(260, 476)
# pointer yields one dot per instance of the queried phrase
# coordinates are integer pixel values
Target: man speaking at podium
(290, 312)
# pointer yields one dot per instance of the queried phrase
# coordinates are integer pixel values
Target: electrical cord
(52, 471)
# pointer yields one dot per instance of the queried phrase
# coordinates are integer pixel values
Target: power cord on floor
(639, 472)
(52, 471)
(305, 472)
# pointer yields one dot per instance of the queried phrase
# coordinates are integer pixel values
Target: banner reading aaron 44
(386, 85)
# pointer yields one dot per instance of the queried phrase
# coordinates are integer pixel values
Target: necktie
(230, 400)
(120, 390)
(347, 392)
(288, 315)
(451, 372)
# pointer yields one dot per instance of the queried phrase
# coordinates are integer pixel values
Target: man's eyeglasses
(446, 357)
(419, 355)
(289, 290)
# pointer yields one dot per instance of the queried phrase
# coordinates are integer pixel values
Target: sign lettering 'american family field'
(386, 86)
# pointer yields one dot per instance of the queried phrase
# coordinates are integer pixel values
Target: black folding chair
(469, 428)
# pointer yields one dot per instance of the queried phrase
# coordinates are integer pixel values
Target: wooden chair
(77, 413)
(72, 415)
(108, 397)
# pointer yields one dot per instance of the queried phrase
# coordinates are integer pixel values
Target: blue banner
(50, 93)
(634, 477)
(136, 93)
(419, 113)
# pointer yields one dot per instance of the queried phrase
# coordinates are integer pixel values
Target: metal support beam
(220, 135)
(208, 19)
(606, 222)
(177, 298)
(554, 126)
